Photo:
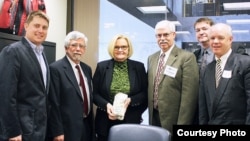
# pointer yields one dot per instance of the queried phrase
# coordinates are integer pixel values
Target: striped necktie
(218, 72)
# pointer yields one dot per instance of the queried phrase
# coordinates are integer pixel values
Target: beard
(77, 57)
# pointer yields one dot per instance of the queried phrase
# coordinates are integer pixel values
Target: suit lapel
(170, 61)
(48, 72)
(230, 65)
(210, 74)
(69, 73)
(154, 63)
(109, 74)
(85, 71)
(131, 71)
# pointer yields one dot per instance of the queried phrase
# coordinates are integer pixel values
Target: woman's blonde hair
(111, 45)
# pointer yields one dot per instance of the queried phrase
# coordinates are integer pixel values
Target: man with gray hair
(70, 95)
(224, 90)
(173, 79)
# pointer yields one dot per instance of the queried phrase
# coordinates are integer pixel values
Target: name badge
(227, 74)
(170, 71)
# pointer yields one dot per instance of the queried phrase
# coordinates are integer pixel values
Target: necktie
(157, 80)
(85, 102)
(204, 60)
(218, 72)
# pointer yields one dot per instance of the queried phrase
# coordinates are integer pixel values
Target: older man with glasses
(172, 81)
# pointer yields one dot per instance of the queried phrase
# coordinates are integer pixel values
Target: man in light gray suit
(173, 94)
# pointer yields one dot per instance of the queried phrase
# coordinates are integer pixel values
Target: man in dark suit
(24, 84)
(224, 99)
(204, 55)
(177, 85)
(68, 120)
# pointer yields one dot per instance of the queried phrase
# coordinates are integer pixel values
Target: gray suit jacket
(23, 96)
(177, 95)
(229, 103)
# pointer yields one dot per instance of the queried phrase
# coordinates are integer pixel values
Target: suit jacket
(197, 53)
(178, 94)
(138, 93)
(65, 98)
(23, 96)
(229, 103)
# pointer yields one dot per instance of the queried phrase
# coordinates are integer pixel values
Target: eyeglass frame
(77, 45)
(117, 48)
(165, 35)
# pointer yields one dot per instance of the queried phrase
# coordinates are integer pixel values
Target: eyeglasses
(165, 35)
(121, 47)
(77, 45)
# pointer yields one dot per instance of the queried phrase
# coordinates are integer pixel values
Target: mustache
(163, 42)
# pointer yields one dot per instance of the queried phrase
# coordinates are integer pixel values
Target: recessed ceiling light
(240, 31)
(182, 32)
(238, 21)
(153, 9)
(237, 6)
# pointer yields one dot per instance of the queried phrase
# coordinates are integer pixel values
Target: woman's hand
(127, 102)
(110, 112)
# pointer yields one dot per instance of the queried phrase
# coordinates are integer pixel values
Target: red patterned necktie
(157, 80)
(85, 102)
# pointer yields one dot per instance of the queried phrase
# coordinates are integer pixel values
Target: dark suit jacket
(138, 93)
(22, 93)
(66, 113)
(197, 53)
(229, 103)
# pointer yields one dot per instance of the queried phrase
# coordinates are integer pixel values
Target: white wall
(57, 12)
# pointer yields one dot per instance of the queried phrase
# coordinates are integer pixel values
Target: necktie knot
(218, 61)
(79, 72)
(162, 55)
(77, 66)
(205, 52)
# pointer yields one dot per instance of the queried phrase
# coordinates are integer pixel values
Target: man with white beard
(70, 95)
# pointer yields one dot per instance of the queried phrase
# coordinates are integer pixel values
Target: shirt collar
(168, 52)
(225, 56)
(209, 51)
(37, 49)
(73, 64)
